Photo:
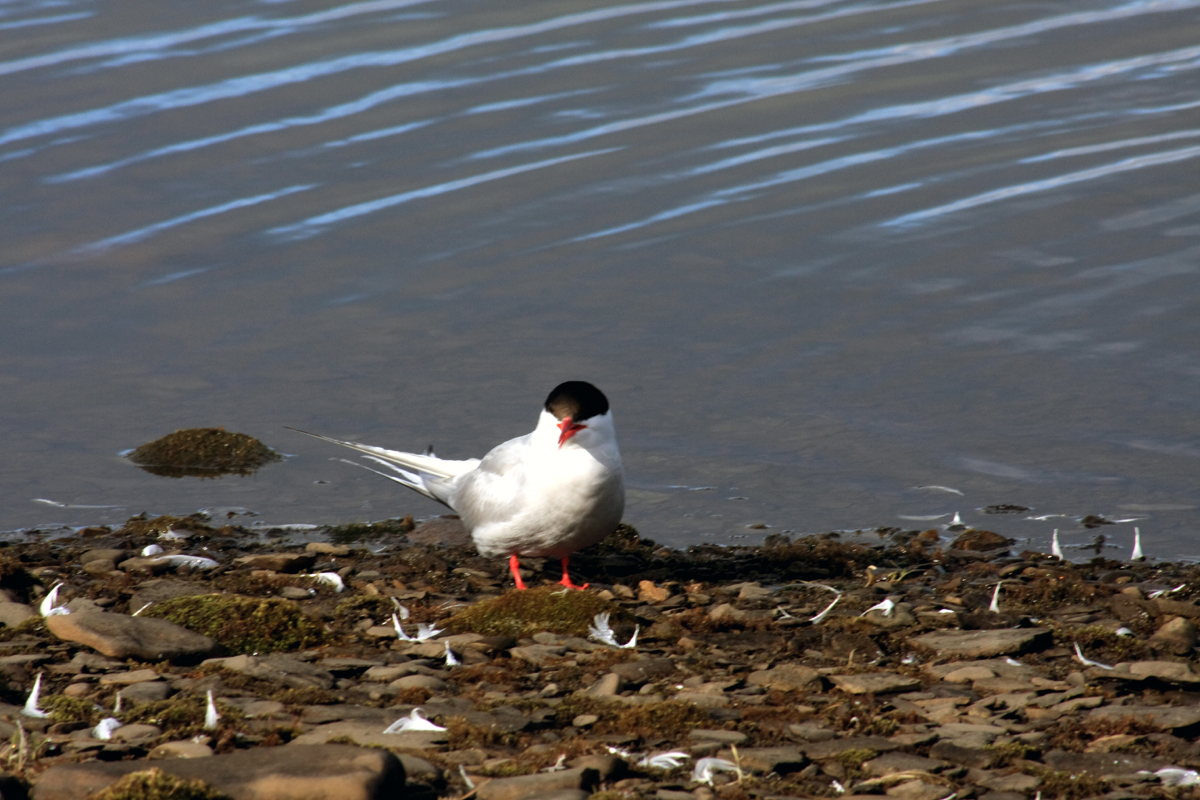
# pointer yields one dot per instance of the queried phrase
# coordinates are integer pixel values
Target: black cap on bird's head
(573, 402)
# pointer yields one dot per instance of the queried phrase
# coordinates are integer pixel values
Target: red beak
(569, 428)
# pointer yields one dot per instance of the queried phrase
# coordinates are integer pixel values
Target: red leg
(566, 579)
(515, 566)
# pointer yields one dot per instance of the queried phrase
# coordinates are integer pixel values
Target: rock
(136, 733)
(278, 562)
(724, 737)
(538, 784)
(1166, 606)
(585, 720)
(13, 614)
(1013, 782)
(184, 749)
(323, 772)
(1099, 763)
(608, 686)
(781, 760)
(901, 762)
(101, 555)
(420, 682)
(370, 734)
(875, 683)
(538, 654)
(786, 678)
(645, 670)
(973, 757)
(811, 732)
(327, 549)
(287, 670)
(607, 767)
(753, 592)
(979, 540)
(1178, 636)
(148, 692)
(128, 678)
(968, 675)
(1180, 720)
(124, 636)
(918, 790)
(1169, 671)
(726, 611)
(984, 644)
(158, 590)
(819, 751)
(648, 592)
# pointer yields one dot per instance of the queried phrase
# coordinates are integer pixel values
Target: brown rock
(537, 784)
(184, 749)
(786, 678)
(875, 683)
(278, 667)
(278, 562)
(369, 734)
(1170, 671)
(979, 540)
(1180, 720)
(984, 644)
(918, 789)
(124, 636)
(648, 592)
(780, 760)
(645, 670)
(973, 757)
(13, 614)
(538, 654)
(1178, 636)
(901, 762)
(160, 589)
(1177, 608)
(323, 772)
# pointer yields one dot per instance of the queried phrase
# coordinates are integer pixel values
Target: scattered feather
(557, 766)
(210, 714)
(401, 610)
(1174, 776)
(886, 605)
(995, 606)
(413, 722)
(191, 562)
(1165, 592)
(819, 618)
(671, 760)
(31, 704)
(1012, 662)
(1087, 662)
(466, 779)
(706, 768)
(117, 704)
(404, 637)
(425, 631)
(946, 611)
(783, 613)
(47, 606)
(333, 579)
(837, 787)
(941, 489)
(911, 658)
(1137, 554)
(105, 729)
(602, 633)
(151, 550)
(451, 661)
(1123, 631)
(616, 751)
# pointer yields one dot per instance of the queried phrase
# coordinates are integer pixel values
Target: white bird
(1137, 547)
(547, 493)
(1055, 548)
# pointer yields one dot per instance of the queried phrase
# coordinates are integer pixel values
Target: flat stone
(370, 734)
(1166, 606)
(158, 590)
(1170, 671)
(124, 636)
(183, 749)
(136, 733)
(328, 549)
(901, 762)
(968, 675)
(608, 686)
(811, 732)
(918, 790)
(1100, 763)
(147, 692)
(786, 678)
(645, 670)
(13, 614)
(724, 737)
(278, 667)
(819, 751)
(126, 678)
(278, 562)
(538, 654)
(1182, 721)
(1178, 635)
(984, 644)
(1013, 782)
(780, 760)
(875, 683)
(420, 682)
(323, 772)
(527, 786)
(973, 757)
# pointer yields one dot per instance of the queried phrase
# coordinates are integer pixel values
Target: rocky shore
(391, 661)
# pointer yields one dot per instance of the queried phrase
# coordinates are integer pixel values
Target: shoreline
(1083, 683)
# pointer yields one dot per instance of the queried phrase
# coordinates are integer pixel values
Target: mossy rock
(154, 784)
(243, 624)
(182, 716)
(203, 452)
(546, 608)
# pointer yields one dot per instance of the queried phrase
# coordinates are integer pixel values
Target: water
(818, 254)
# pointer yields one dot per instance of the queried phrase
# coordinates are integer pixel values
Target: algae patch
(154, 784)
(243, 624)
(203, 452)
(546, 608)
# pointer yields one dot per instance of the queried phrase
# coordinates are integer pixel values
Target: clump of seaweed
(145, 525)
(357, 531)
(154, 784)
(203, 452)
(545, 608)
(243, 624)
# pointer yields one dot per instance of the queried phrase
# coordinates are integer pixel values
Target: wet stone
(874, 683)
(983, 644)
(123, 636)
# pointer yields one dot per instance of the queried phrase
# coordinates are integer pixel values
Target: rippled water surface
(819, 254)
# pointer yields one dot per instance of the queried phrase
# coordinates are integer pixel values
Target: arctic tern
(550, 492)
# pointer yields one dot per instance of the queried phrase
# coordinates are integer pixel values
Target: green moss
(71, 709)
(34, 626)
(182, 716)
(855, 757)
(546, 608)
(154, 784)
(1065, 786)
(203, 452)
(243, 624)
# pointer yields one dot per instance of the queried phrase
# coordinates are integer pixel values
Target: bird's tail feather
(405, 478)
(438, 467)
